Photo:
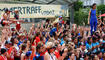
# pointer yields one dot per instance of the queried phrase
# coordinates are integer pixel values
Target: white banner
(35, 10)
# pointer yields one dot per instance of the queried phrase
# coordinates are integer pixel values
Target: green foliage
(81, 16)
(78, 5)
(101, 8)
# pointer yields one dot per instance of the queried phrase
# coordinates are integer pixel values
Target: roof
(57, 2)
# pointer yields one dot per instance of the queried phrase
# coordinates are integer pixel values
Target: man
(16, 14)
(57, 51)
(40, 49)
(50, 54)
(3, 54)
(99, 54)
(10, 48)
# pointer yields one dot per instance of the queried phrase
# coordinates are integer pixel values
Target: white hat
(16, 10)
(49, 44)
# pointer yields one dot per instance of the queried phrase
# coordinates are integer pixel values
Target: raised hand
(38, 25)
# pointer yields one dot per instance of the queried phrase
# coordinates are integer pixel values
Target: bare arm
(31, 30)
(89, 17)
(28, 44)
(5, 17)
(46, 56)
(33, 52)
(22, 56)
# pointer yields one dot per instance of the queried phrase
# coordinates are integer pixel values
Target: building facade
(90, 2)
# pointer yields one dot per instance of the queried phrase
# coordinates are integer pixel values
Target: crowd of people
(51, 41)
(54, 41)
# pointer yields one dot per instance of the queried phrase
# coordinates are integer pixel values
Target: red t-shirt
(62, 22)
(37, 40)
(3, 58)
(18, 27)
(41, 54)
(9, 52)
(57, 54)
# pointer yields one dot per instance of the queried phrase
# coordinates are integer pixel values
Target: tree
(101, 8)
(78, 5)
(81, 16)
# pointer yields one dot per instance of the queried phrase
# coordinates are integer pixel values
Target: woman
(3, 55)
(50, 54)
(5, 17)
(93, 18)
(24, 50)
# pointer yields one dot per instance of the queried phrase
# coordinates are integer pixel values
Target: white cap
(16, 10)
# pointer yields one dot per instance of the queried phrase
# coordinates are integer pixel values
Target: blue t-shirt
(62, 41)
(88, 46)
(68, 59)
(103, 41)
(53, 30)
(95, 44)
(102, 50)
(38, 57)
(76, 46)
(20, 42)
(47, 38)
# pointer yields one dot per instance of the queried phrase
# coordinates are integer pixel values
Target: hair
(103, 37)
(47, 20)
(12, 40)
(40, 44)
(80, 37)
(38, 33)
(23, 47)
(88, 40)
(3, 50)
(6, 10)
(94, 5)
(94, 38)
(73, 38)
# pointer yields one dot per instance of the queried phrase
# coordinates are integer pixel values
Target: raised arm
(31, 30)
(28, 45)
(33, 52)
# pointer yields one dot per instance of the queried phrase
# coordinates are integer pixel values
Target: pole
(71, 15)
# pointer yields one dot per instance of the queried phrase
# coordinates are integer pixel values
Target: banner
(36, 10)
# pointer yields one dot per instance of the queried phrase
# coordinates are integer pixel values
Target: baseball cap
(60, 16)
